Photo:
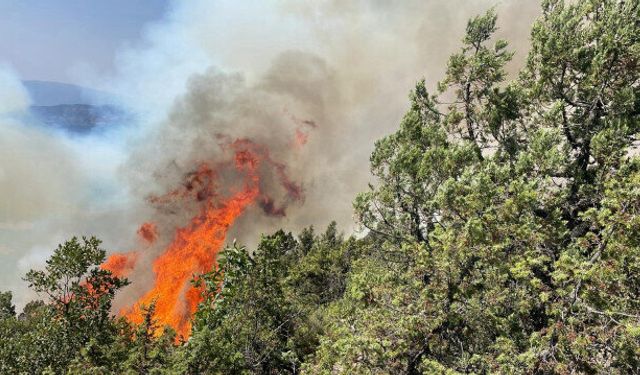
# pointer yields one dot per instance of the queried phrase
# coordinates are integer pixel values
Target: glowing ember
(301, 135)
(301, 138)
(148, 232)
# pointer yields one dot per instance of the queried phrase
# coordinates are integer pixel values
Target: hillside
(72, 108)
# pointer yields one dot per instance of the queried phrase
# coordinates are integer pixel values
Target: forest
(501, 235)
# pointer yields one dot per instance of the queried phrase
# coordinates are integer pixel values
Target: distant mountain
(56, 93)
(78, 118)
(73, 108)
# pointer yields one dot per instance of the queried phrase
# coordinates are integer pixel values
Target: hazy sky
(63, 40)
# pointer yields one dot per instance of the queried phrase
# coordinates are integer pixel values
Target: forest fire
(195, 245)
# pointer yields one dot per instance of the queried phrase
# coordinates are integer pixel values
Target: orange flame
(301, 138)
(194, 247)
(301, 132)
(121, 264)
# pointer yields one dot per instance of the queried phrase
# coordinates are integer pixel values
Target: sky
(74, 37)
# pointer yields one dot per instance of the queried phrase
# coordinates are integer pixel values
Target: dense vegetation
(502, 236)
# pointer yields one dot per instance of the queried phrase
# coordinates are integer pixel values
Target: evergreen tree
(497, 210)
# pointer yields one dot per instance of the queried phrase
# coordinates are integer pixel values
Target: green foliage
(7, 309)
(243, 324)
(508, 195)
(152, 345)
(263, 312)
(76, 320)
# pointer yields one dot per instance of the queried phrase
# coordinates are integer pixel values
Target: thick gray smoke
(344, 66)
(333, 75)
